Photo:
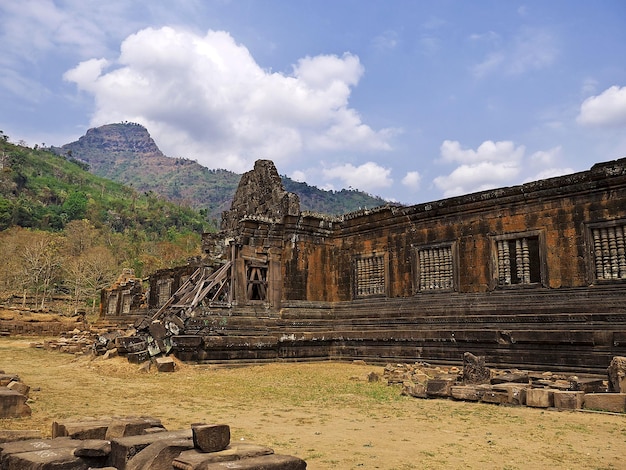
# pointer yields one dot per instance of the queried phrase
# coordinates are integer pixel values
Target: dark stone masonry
(530, 276)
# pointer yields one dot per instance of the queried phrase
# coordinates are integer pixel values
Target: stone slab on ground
(496, 397)
(7, 435)
(19, 387)
(93, 448)
(467, 392)
(615, 402)
(87, 429)
(266, 462)
(6, 379)
(540, 397)
(131, 426)
(567, 400)
(125, 448)
(417, 390)
(62, 458)
(211, 437)
(13, 404)
(31, 445)
(165, 364)
(197, 460)
(516, 392)
(159, 455)
(439, 387)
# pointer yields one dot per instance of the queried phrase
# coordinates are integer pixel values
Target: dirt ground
(326, 413)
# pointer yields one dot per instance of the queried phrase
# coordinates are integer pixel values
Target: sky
(410, 100)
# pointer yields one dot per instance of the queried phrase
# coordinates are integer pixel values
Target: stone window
(519, 260)
(256, 275)
(126, 300)
(608, 245)
(369, 275)
(435, 267)
(164, 290)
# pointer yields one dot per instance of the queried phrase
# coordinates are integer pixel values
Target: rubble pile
(477, 383)
(139, 443)
(13, 396)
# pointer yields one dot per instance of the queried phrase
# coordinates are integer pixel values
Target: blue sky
(413, 101)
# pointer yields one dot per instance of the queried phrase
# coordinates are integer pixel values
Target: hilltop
(126, 153)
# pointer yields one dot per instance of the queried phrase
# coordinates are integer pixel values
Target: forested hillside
(66, 231)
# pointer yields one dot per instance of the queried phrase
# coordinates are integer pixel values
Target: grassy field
(326, 413)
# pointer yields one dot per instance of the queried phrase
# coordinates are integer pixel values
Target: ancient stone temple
(532, 275)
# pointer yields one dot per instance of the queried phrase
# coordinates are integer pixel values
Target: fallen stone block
(159, 455)
(13, 404)
(87, 429)
(568, 400)
(130, 426)
(615, 402)
(125, 448)
(495, 397)
(92, 448)
(416, 390)
(439, 387)
(19, 435)
(540, 397)
(467, 392)
(266, 462)
(19, 387)
(165, 364)
(138, 357)
(6, 379)
(516, 392)
(590, 385)
(474, 369)
(511, 377)
(211, 437)
(196, 460)
(62, 458)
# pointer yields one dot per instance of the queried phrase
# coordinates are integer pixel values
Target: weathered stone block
(474, 369)
(159, 455)
(265, 462)
(88, 429)
(19, 387)
(540, 397)
(211, 437)
(13, 404)
(615, 402)
(568, 400)
(138, 357)
(439, 387)
(516, 392)
(6, 379)
(416, 390)
(92, 448)
(467, 392)
(124, 427)
(197, 460)
(125, 448)
(493, 396)
(165, 364)
(19, 435)
(62, 458)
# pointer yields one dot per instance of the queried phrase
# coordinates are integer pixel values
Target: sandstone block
(19, 435)
(211, 437)
(265, 462)
(567, 400)
(125, 448)
(439, 387)
(19, 387)
(87, 429)
(474, 369)
(92, 448)
(416, 390)
(49, 459)
(197, 460)
(165, 364)
(515, 391)
(615, 402)
(495, 397)
(138, 357)
(131, 426)
(159, 455)
(13, 404)
(467, 392)
(540, 397)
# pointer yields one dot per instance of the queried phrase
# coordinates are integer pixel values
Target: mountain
(126, 153)
(42, 190)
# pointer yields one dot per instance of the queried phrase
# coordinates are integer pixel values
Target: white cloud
(299, 176)
(386, 41)
(367, 177)
(544, 158)
(412, 180)
(491, 165)
(205, 97)
(608, 109)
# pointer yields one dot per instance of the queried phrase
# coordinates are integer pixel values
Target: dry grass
(326, 413)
